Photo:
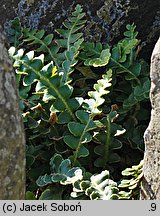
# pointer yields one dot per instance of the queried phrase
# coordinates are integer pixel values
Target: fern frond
(71, 41)
(96, 99)
(34, 70)
(80, 134)
(63, 54)
(95, 55)
(73, 25)
(99, 187)
(108, 142)
(61, 171)
(132, 178)
(15, 33)
(44, 42)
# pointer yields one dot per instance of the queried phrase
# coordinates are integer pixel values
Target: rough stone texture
(12, 148)
(151, 168)
(106, 18)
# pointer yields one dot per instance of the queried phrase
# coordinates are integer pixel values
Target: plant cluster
(85, 109)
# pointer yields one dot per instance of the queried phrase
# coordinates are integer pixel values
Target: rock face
(151, 183)
(12, 148)
(106, 18)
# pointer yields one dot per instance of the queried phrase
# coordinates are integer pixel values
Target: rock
(106, 18)
(12, 143)
(151, 168)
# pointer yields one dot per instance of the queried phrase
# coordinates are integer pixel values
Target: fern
(122, 60)
(95, 54)
(80, 135)
(62, 52)
(131, 181)
(71, 41)
(100, 90)
(99, 187)
(108, 142)
(70, 36)
(67, 116)
(96, 187)
(61, 171)
(15, 33)
(80, 130)
(33, 69)
(38, 37)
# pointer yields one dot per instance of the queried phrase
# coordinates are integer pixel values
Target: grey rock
(151, 167)
(12, 142)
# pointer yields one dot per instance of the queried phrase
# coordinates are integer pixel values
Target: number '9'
(153, 206)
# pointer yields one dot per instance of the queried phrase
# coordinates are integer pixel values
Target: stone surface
(151, 168)
(12, 144)
(106, 18)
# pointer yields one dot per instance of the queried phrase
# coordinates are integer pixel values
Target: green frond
(61, 171)
(34, 70)
(80, 134)
(77, 98)
(15, 33)
(97, 100)
(99, 187)
(107, 141)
